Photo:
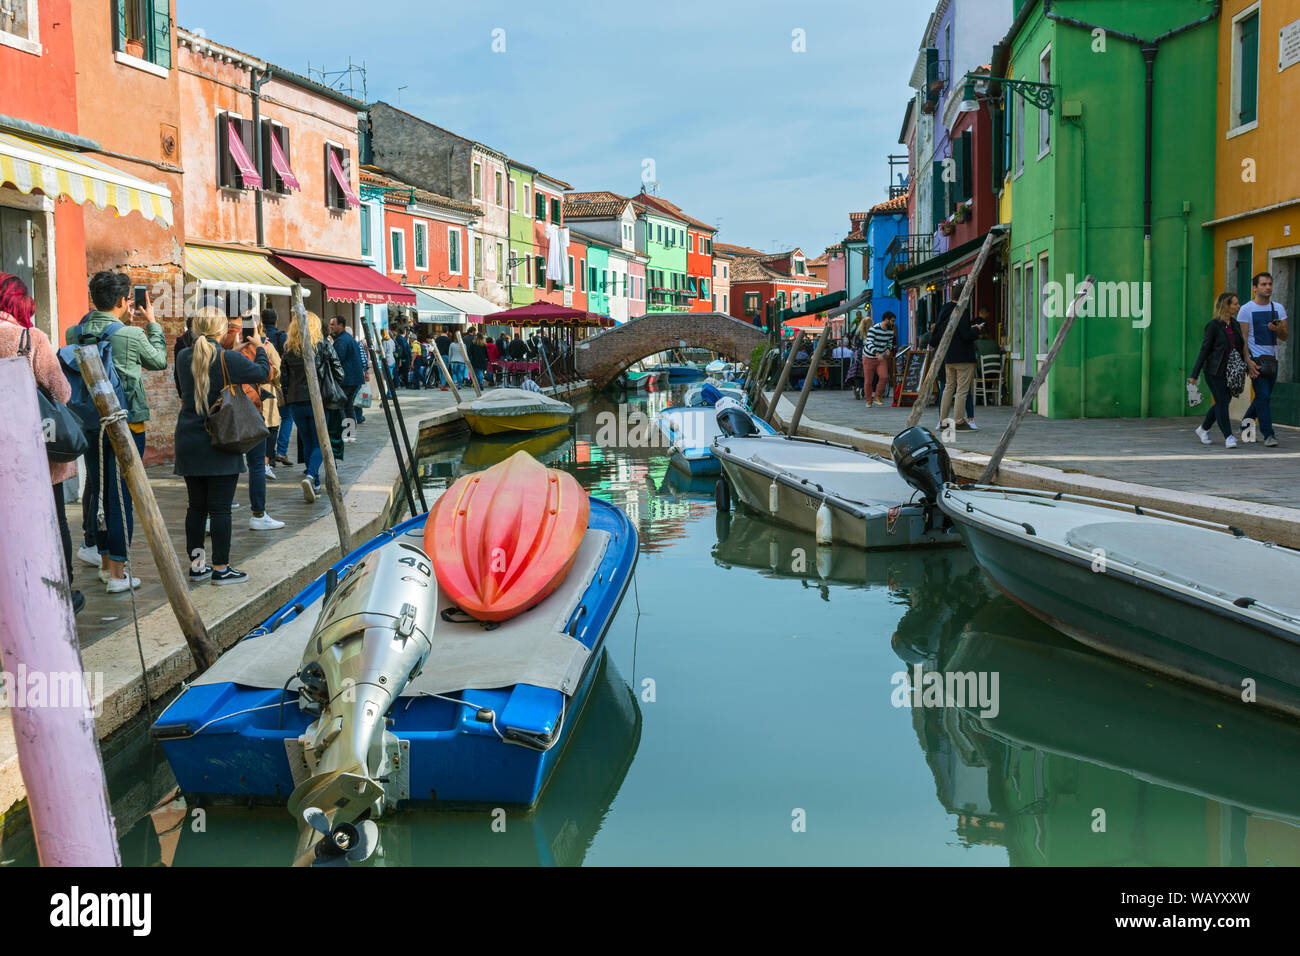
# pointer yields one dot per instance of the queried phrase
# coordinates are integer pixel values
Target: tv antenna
(344, 81)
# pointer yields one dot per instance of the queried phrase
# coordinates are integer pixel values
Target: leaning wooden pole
(174, 582)
(332, 486)
(808, 379)
(781, 382)
(446, 376)
(991, 471)
(941, 350)
(58, 750)
(473, 376)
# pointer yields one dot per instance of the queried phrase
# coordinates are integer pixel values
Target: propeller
(342, 844)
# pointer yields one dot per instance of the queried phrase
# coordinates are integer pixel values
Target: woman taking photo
(263, 397)
(211, 475)
(1220, 348)
(293, 377)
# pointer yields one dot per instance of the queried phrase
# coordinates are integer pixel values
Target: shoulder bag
(65, 439)
(234, 423)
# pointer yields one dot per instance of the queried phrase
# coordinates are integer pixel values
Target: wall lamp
(1040, 95)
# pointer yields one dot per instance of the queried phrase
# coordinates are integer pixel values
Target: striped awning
(234, 269)
(30, 165)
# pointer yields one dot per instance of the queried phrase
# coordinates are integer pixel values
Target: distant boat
(690, 433)
(514, 410)
(1192, 600)
(680, 371)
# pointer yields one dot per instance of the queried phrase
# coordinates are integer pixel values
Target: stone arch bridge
(603, 355)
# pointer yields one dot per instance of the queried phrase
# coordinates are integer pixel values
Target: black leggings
(1219, 410)
(210, 496)
(61, 513)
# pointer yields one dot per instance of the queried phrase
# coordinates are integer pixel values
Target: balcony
(668, 298)
(906, 251)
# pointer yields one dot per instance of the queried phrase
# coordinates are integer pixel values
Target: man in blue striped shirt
(877, 356)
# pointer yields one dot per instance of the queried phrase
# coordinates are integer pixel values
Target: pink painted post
(53, 720)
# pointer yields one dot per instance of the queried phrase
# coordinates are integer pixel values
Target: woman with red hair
(17, 311)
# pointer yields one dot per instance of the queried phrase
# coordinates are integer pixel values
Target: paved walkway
(104, 613)
(1157, 451)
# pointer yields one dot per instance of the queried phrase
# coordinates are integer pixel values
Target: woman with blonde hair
(1221, 339)
(293, 377)
(263, 397)
(211, 475)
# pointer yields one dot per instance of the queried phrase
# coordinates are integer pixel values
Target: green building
(523, 249)
(1095, 185)
(662, 239)
(597, 278)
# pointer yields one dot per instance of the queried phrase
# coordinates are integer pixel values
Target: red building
(699, 253)
(759, 279)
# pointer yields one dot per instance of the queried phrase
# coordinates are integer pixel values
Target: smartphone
(141, 297)
(247, 326)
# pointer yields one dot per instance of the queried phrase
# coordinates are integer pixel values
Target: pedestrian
(134, 349)
(354, 376)
(516, 348)
(930, 340)
(1221, 341)
(293, 377)
(443, 344)
(478, 358)
(211, 475)
(239, 336)
(493, 359)
(418, 360)
(402, 373)
(878, 358)
(459, 364)
(183, 341)
(1263, 325)
(18, 335)
(959, 367)
(388, 346)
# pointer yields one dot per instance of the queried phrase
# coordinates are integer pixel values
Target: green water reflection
(750, 682)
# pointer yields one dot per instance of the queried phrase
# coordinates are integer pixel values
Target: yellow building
(1257, 176)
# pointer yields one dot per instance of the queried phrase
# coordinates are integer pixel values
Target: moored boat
(1193, 600)
(501, 410)
(690, 433)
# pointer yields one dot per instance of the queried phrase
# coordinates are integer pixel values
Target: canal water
(763, 702)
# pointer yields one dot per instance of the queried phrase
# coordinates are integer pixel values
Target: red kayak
(503, 539)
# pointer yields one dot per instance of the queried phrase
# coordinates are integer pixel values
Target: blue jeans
(114, 540)
(1259, 406)
(286, 428)
(256, 458)
(459, 374)
(310, 444)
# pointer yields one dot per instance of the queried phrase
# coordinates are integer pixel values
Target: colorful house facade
(781, 280)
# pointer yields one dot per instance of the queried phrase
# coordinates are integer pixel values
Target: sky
(771, 120)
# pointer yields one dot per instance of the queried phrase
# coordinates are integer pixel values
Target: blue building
(866, 257)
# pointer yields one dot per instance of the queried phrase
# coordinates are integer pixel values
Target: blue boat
(690, 432)
(241, 732)
(680, 371)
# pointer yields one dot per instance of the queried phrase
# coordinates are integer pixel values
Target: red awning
(348, 282)
(341, 178)
(251, 177)
(280, 163)
(546, 313)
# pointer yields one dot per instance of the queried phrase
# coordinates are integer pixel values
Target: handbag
(65, 439)
(234, 423)
(364, 397)
(1236, 373)
(331, 385)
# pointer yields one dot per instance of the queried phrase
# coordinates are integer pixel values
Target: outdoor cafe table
(515, 371)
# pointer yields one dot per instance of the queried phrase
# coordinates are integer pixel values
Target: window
(272, 181)
(798, 267)
(1017, 310)
(1245, 70)
(365, 229)
(1044, 116)
(453, 251)
(528, 203)
(478, 256)
(591, 279)
(582, 275)
(335, 197)
(1241, 271)
(1029, 301)
(19, 25)
(724, 302)
(570, 282)
(752, 303)
(396, 250)
(555, 210)
(229, 175)
(144, 30)
(539, 271)
(690, 243)
(724, 272)
(659, 233)
(539, 206)
(514, 194)
(1043, 317)
(528, 269)
(501, 257)
(478, 180)
(1018, 105)
(499, 197)
(421, 231)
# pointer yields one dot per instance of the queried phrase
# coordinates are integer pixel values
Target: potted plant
(947, 227)
(963, 211)
(135, 48)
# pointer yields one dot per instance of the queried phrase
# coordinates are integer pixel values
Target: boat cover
(845, 473)
(532, 648)
(692, 430)
(514, 401)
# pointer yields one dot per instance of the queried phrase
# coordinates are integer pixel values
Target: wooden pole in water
(175, 584)
(473, 378)
(58, 750)
(808, 379)
(401, 423)
(1040, 376)
(941, 350)
(446, 376)
(332, 486)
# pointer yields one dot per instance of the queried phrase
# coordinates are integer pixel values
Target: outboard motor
(734, 421)
(374, 634)
(922, 460)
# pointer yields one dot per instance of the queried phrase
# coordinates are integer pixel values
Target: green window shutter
(966, 168)
(1249, 68)
(938, 194)
(1245, 264)
(997, 155)
(365, 229)
(539, 203)
(555, 210)
(119, 38)
(162, 34)
(419, 246)
(1008, 115)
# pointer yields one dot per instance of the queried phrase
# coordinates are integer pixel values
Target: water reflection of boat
(558, 832)
(677, 482)
(484, 451)
(1076, 742)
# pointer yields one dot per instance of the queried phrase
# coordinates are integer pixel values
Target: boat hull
(223, 748)
(1125, 617)
(504, 424)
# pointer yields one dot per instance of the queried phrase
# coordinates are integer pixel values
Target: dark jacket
(195, 456)
(962, 347)
(276, 337)
(349, 353)
(478, 355)
(444, 345)
(518, 351)
(293, 376)
(1220, 338)
(183, 341)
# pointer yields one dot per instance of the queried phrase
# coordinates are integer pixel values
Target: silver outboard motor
(373, 636)
(922, 461)
(734, 420)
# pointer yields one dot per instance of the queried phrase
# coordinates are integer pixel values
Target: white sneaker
(1204, 436)
(308, 491)
(234, 505)
(118, 585)
(1229, 442)
(103, 575)
(973, 426)
(89, 555)
(264, 523)
(270, 473)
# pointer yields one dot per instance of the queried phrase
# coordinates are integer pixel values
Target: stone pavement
(104, 613)
(1162, 452)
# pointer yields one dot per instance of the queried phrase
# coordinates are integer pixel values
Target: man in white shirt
(1263, 325)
